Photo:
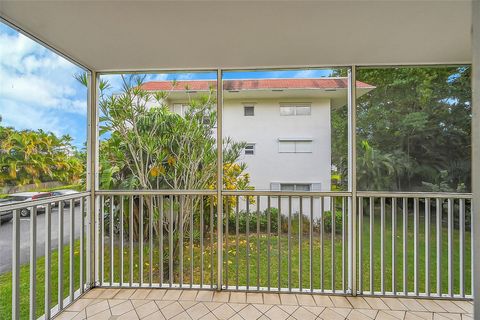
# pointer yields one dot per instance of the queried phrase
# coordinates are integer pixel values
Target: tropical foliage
(35, 156)
(146, 145)
(413, 130)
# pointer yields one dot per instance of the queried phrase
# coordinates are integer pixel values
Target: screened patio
(219, 252)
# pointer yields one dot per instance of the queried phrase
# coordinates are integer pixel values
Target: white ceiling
(134, 35)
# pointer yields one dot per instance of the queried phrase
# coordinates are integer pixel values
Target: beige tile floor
(194, 304)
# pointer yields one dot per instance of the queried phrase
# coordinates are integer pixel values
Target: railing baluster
(332, 233)
(322, 241)
(33, 263)
(472, 279)
(360, 245)
(372, 212)
(258, 242)
(394, 246)
(427, 246)
(82, 245)
(344, 244)
(48, 261)
(300, 247)
(439, 210)
(16, 265)
(269, 217)
(416, 226)
(310, 242)
(140, 206)
(289, 243)
(121, 239)
(211, 242)
(90, 247)
(462, 247)
(279, 244)
(60, 255)
(248, 242)
(72, 250)
(404, 249)
(150, 242)
(112, 248)
(102, 240)
(180, 246)
(202, 249)
(130, 236)
(237, 250)
(450, 247)
(170, 244)
(191, 242)
(161, 226)
(382, 245)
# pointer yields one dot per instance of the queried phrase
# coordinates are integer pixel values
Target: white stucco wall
(265, 128)
(268, 165)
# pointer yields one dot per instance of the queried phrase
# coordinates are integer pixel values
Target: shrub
(252, 217)
(327, 221)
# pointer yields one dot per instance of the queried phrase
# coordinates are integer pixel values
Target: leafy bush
(251, 218)
(327, 221)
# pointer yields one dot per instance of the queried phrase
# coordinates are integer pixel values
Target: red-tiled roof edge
(254, 84)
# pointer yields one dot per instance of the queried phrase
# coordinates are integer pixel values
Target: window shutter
(275, 186)
(316, 187)
(286, 146)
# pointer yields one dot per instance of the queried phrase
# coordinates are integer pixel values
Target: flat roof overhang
(136, 35)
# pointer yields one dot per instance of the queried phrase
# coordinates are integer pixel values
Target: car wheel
(24, 213)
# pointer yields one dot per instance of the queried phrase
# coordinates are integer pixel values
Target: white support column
(476, 152)
(219, 180)
(92, 175)
(352, 183)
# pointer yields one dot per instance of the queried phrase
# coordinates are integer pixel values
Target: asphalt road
(6, 236)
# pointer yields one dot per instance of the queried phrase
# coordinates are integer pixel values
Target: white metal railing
(167, 226)
(77, 204)
(269, 241)
(151, 240)
(303, 248)
(413, 228)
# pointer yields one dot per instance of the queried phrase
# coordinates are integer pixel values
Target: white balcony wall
(267, 165)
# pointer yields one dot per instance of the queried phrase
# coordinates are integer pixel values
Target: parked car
(21, 197)
(65, 192)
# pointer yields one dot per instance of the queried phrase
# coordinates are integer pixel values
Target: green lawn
(6, 284)
(259, 269)
(258, 257)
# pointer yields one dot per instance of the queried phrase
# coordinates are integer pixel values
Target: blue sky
(116, 81)
(38, 89)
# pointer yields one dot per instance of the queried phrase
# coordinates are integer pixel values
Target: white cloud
(158, 77)
(37, 87)
(306, 74)
(23, 116)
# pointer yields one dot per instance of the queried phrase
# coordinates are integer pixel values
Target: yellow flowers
(157, 170)
(171, 160)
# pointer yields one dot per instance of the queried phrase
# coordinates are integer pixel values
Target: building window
(180, 108)
(289, 186)
(250, 149)
(295, 109)
(248, 111)
(294, 146)
(295, 187)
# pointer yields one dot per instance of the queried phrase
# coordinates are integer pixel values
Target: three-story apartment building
(286, 124)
